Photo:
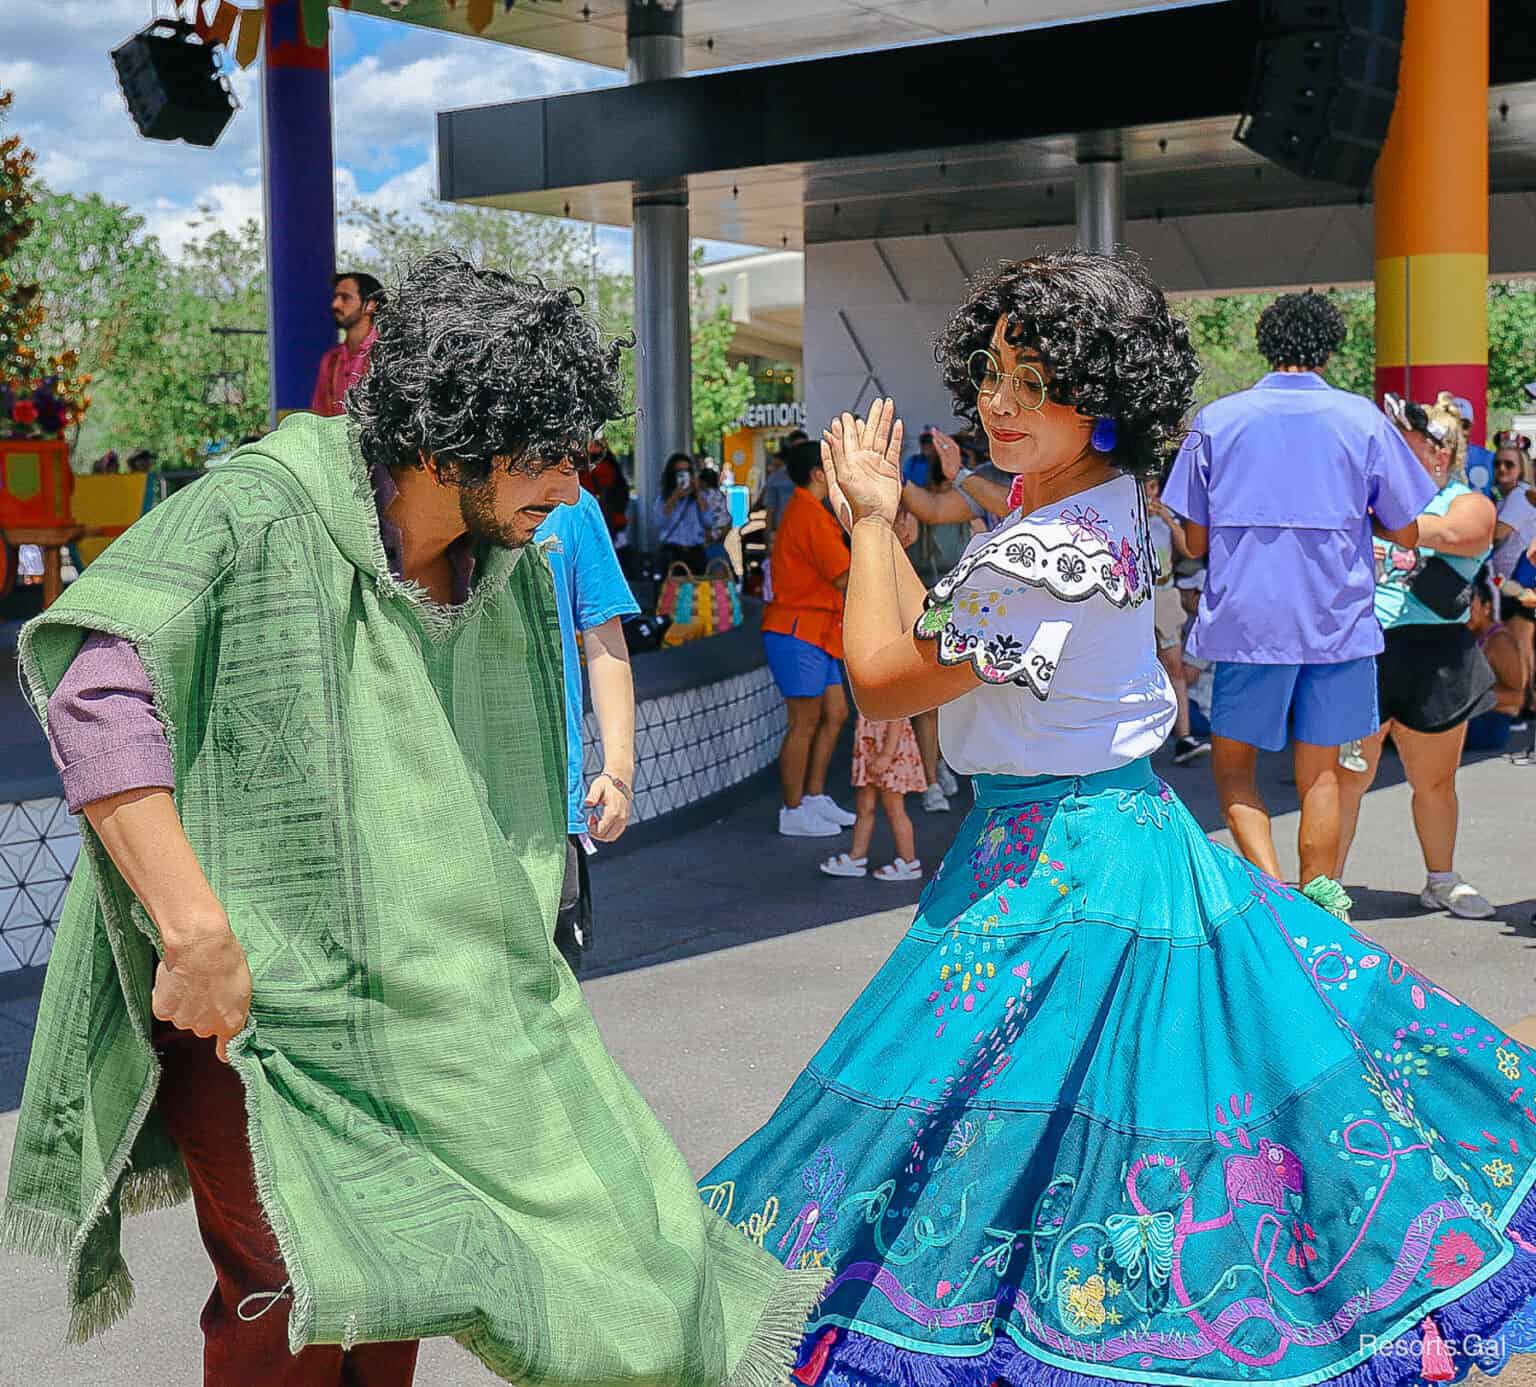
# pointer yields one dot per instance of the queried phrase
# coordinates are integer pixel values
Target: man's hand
(608, 809)
(203, 983)
(906, 528)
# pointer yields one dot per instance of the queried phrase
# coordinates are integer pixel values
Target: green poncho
(376, 789)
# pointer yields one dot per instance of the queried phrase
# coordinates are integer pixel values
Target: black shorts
(573, 924)
(1432, 678)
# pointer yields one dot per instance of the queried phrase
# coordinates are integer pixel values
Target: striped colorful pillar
(299, 176)
(1432, 212)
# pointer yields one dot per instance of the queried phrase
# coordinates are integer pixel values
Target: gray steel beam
(663, 287)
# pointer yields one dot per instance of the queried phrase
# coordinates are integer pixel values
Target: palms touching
(862, 460)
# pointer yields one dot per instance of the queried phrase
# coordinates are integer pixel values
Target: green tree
(520, 243)
(1223, 328)
(721, 390)
(198, 389)
(20, 313)
(1511, 349)
(102, 285)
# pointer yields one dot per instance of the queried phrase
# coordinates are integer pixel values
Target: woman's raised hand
(862, 460)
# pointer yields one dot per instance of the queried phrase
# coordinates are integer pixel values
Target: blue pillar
(299, 178)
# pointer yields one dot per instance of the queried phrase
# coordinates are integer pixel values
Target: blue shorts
(800, 669)
(1270, 705)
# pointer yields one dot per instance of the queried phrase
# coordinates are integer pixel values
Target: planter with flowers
(35, 476)
(41, 400)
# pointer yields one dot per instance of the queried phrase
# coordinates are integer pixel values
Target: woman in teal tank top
(1431, 679)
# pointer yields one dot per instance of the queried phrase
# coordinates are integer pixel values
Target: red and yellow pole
(1432, 212)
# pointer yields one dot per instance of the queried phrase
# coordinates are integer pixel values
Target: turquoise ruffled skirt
(1119, 1107)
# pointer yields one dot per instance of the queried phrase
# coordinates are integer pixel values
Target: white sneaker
(844, 866)
(1463, 901)
(830, 810)
(804, 822)
(934, 800)
(947, 781)
(900, 870)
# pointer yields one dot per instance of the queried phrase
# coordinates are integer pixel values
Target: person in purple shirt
(1281, 485)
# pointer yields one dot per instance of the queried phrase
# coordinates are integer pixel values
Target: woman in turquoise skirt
(1118, 1108)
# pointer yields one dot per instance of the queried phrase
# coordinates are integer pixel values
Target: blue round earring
(1106, 433)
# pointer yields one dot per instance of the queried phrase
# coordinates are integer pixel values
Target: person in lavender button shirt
(1281, 486)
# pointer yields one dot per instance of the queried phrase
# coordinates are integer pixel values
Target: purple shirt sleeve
(1400, 488)
(102, 728)
(1186, 490)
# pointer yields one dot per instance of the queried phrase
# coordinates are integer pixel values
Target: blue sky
(390, 80)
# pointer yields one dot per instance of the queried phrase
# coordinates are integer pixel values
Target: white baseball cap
(1464, 405)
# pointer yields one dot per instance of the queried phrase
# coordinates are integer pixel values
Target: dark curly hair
(1103, 331)
(1300, 330)
(477, 368)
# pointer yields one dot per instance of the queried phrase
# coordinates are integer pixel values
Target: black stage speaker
(1324, 84)
(172, 84)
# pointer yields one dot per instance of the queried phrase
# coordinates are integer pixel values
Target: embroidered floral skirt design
(1120, 1108)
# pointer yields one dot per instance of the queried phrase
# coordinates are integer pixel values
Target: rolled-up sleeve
(1187, 490)
(103, 732)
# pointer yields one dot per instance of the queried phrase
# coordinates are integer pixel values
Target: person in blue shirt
(592, 598)
(918, 468)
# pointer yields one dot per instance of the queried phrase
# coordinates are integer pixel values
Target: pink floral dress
(885, 755)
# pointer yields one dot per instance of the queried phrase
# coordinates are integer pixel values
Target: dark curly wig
(1300, 330)
(472, 365)
(1102, 329)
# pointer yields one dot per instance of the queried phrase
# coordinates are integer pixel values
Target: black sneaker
(1188, 749)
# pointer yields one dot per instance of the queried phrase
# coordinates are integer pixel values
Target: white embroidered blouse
(1054, 609)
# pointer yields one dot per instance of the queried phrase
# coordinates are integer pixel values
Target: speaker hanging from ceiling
(1324, 85)
(171, 82)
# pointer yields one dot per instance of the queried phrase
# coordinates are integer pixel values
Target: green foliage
(1222, 329)
(140, 323)
(20, 313)
(1511, 350)
(220, 281)
(721, 391)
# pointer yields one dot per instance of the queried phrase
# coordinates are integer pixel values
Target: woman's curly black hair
(1300, 330)
(1103, 331)
(476, 368)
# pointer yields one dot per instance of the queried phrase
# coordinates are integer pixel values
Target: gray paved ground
(727, 962)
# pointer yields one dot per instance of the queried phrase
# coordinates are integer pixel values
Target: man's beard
(346, 322)
(477, 504)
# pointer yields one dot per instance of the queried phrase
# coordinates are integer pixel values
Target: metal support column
(298, 176)
(663, 285)
(1100, 192)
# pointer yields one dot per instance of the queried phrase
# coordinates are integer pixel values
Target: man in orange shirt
(353, 304)
(803, 637)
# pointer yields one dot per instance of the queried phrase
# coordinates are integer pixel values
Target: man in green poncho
(311, 711)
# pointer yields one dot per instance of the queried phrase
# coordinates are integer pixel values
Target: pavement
(724, 959)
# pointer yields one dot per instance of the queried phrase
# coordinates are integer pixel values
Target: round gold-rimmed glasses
(986, 374)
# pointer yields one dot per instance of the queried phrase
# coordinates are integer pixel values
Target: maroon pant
(204, 1109)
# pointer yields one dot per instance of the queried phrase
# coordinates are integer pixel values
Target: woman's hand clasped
(862, 460)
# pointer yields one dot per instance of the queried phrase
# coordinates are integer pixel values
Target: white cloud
(222, 207)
